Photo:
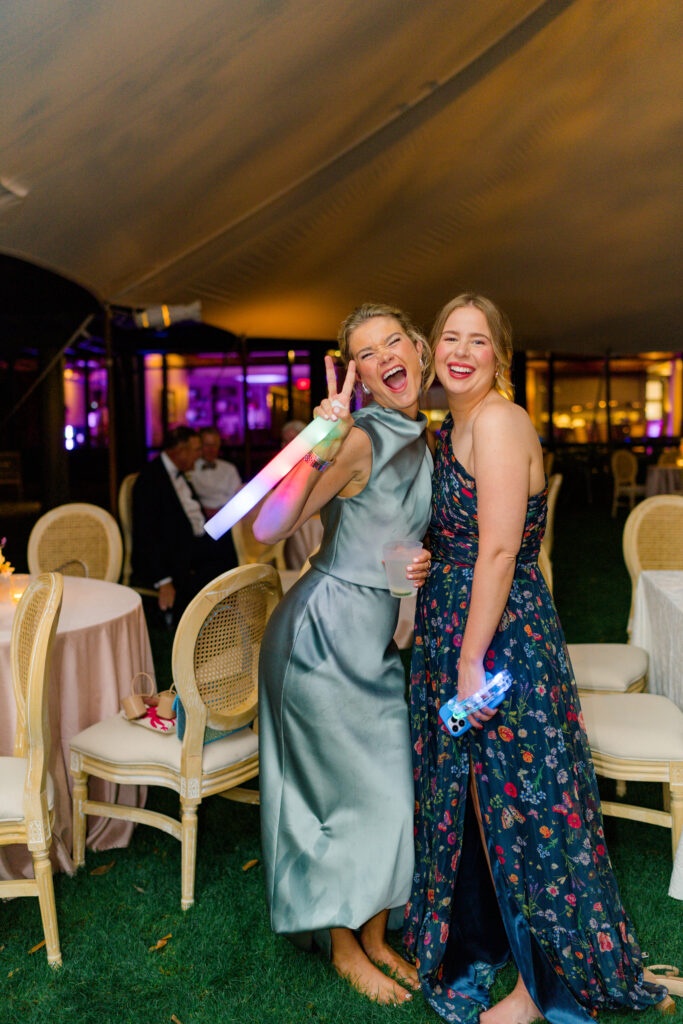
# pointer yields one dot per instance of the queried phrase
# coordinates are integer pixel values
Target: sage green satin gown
(336, 776)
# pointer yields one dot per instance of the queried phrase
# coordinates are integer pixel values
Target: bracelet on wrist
(315, 461)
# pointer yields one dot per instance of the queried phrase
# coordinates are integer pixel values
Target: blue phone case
(454, 712)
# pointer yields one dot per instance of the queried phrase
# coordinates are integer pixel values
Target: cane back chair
(653, 538)
(76, 539)
(215, 671)
(26, 788)
(624, 466)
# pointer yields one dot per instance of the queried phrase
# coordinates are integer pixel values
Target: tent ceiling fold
(284, 160)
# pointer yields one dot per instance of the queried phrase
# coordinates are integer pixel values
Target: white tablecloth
(101, 643)
(658, 627)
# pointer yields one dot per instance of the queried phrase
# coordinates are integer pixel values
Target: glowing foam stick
(270, 475)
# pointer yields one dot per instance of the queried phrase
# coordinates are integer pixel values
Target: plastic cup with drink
(398, 555)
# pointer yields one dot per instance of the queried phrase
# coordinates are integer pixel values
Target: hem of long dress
(545, 986)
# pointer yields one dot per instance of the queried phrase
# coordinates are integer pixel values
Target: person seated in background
(171, 551)
(290, 431)
(215, 480)
(307, 538)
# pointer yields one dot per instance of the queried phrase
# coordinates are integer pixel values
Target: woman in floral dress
(514, 800)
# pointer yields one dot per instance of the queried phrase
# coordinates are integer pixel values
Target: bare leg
(350, 961)
(518, 1007)
(373, 939)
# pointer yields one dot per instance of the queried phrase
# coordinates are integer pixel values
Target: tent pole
(244, 353)
(608, 398)
(111, 412)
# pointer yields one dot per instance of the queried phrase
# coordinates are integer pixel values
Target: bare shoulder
(500, 415)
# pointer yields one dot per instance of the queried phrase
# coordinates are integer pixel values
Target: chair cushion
(634, 726)
(119, 741)
(13, 778)
(613, 667)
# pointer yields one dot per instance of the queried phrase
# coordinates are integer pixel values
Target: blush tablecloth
(663, 480)
(101, 643)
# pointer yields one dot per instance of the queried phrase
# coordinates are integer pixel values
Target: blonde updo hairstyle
(368, 311)
(501, 336)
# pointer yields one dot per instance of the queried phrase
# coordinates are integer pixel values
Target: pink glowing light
(270, 475)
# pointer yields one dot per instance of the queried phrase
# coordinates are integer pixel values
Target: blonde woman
(336, 782)
(510, 848)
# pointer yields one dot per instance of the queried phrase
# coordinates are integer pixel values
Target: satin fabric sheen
(336, 776)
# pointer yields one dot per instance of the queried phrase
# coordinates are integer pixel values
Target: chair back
(33, 632)
(251, 551)
(125, 504)
(548, 463)
(624, 467)
(216, 651)
(554, 485)
(668, 457)
(653, 537)
(77, 539)
(545, 565)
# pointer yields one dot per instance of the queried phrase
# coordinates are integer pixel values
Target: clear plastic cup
(397, 556)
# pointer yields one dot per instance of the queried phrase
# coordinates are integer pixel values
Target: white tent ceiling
(284, 160)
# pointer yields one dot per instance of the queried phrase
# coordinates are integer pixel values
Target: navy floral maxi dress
(556, 906)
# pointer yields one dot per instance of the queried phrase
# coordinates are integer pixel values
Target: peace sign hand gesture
(336, 407)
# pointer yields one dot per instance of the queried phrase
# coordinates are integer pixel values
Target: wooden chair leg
(80, 795)
(188, 853)
(48, 910)
(676, 804)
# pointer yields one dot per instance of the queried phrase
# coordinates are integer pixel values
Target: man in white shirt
(171, 551)
(214, 479)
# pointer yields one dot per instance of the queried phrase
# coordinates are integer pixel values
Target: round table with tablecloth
(101, 643)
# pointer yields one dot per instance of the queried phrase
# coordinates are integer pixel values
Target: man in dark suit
(171, 551)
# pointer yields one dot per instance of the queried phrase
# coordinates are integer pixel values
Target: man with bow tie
(214, 479)
(171, 551)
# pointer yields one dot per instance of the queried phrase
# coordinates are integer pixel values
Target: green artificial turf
(222, 964)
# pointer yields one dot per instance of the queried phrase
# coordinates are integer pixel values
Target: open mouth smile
(395, 378)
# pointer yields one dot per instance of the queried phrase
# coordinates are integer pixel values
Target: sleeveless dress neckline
(447, 427)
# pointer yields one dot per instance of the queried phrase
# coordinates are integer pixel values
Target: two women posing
(509, 856)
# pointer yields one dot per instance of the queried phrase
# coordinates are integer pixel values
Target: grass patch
(222, 964)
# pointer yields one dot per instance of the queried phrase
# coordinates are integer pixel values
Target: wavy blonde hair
(369, 310)
(501, 336)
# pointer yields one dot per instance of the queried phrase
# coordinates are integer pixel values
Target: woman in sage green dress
(336, 777)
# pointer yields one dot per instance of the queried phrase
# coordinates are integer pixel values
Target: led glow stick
(270, 475)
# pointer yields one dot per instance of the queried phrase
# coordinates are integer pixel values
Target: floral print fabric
(536, 787)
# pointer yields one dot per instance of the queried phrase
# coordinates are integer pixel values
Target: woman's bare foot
(381, 954)
(349, 960)
(516, 1008)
